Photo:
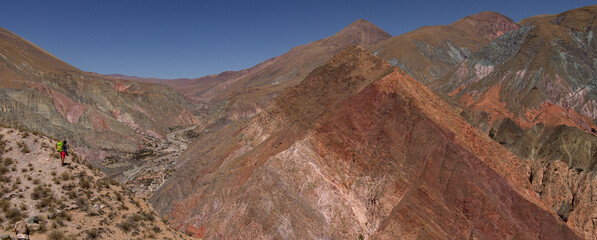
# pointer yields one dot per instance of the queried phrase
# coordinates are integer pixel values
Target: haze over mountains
(343, 137)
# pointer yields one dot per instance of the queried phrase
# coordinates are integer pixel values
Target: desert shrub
(4, 204)
(23, 146)
(69, 187)
(93, 233)
(147, 216)
(14, 215)
(84, 182)
(40, 192)
(65, 176)
(56, 180)
(8, 161)
(56, 235)
(45, 202)
(63, 216)
(128, 225)
(118, 196)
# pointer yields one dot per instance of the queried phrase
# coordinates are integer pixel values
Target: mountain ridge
(334, 166)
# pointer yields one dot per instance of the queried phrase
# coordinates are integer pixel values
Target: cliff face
(429, 52)
(379, 155)
(41, 93)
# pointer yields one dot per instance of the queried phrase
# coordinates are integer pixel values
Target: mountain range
(480, 129)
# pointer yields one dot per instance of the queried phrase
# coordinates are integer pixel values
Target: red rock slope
(356, 149)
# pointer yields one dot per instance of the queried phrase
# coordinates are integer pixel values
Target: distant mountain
(542, 73)
(39, 92)
(357, 149)
(241, 94)
(429, 52)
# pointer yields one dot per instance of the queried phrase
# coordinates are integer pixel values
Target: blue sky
(171, 39)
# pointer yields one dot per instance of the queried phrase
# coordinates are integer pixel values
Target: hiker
(61, 147)
(22, 230)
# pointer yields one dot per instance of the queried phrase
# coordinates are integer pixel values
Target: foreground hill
(67, 202)
(357, 149)
(533, 90)
(429, 52)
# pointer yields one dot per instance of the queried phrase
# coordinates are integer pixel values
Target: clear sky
(179, 38)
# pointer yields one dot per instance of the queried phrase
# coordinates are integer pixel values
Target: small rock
(34, 219)
(34, 227)
(72, 207)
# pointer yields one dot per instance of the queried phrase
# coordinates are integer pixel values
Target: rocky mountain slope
(105, 119)
(357, 150)
(41, 93)
(241, 94)
(429, 52)
(533, 90)
(67, 202)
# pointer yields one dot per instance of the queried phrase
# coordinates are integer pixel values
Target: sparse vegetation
(64, 195)
(8, 162)
(14, 215)
(93, 233)
(128, 225)
(57, 235)
(23, 147)
(84, 182)
(65, 176)
(40, 192)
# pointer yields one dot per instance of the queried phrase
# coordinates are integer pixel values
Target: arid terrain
(75, 201)
(483, 128)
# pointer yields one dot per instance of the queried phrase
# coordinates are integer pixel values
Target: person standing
(62, 148)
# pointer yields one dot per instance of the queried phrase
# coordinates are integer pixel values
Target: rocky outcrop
(379, 156)
(569, 192)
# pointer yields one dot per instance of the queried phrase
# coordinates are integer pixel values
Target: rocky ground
(75, 201)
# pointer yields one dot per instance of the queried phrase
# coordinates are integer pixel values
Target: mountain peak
(487, 24)
(360, 32)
